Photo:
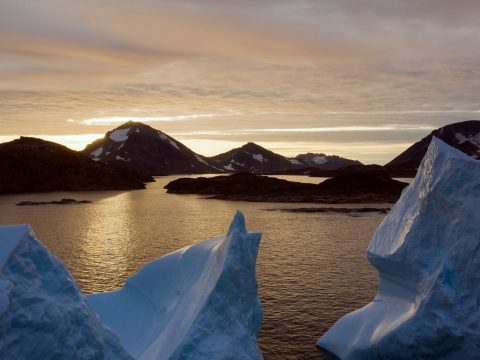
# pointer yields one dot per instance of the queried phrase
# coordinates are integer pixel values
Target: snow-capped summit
(427, 252)
(199, 302)
(253, 158)
(464, 136)
(325, 162)
(146, 150)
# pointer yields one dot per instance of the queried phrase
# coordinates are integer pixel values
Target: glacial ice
(427, 252)
(43, 315)
(199, 302)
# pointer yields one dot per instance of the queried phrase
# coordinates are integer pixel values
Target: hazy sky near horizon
(357, 78)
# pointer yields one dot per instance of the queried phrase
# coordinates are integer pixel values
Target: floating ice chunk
(427, 252)
(197, 303)
(43, 315)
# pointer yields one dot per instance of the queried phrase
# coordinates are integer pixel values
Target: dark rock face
(31, 165)
(255, 159)
(367, 185)
(325, 162)
(363, 180)
(141, 148)
(464, 136)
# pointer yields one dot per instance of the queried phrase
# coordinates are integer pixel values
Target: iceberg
(199, 302)
(43, 314)
(427, 252)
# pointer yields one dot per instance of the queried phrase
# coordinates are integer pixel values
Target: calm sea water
(311, 270)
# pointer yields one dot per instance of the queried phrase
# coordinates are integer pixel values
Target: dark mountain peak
(465, 136)
(252, 158)
(251, 146)
(148, 151)
(131, 128)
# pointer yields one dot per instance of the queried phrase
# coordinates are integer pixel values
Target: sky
(362, 79)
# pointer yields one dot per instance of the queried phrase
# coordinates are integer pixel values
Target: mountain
(325, 162)
(30, 165)
(464, 136)
(253, 158)
(141, 148)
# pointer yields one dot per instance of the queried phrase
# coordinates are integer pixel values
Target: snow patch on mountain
(319, 160)
(162, 136)
(201, 160)
(229, 167)
(119, 135)
(427, 252)
(97, 153)
(474, 139)
(295, 162)
(259, 157)
(166, 138)
(43, 314)
(199, 302)
(120, 158)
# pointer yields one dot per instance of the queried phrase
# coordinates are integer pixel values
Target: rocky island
(364, 185)
(35, 165)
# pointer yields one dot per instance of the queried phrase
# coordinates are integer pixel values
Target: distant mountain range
(464, 136)
(148, 151)
(129, 155)
(32, 165)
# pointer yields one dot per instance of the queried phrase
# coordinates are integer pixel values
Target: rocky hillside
(31, 165)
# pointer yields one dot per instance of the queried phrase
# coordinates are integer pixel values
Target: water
(311, 268)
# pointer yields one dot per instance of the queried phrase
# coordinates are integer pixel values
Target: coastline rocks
(367, 185)
(427, 252)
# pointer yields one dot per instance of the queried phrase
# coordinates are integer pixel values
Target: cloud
(226, 66)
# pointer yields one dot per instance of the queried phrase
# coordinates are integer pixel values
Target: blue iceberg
(427, 252)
